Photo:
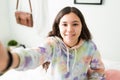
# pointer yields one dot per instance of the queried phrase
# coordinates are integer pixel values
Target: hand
(3, 57)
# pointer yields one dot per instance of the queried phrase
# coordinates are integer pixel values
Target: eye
(64, 24)
(75, 24)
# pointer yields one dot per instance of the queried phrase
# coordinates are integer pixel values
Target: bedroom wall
(4, 21)
(102, 20)
(26, 35)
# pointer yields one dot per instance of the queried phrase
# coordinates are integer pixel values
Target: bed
(112, 70)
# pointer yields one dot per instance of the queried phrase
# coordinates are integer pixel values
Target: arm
(30, 58)
(19, 59)
(96, 71)
(24, 59)
(4, 60)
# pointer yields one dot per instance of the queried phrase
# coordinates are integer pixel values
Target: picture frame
(95, 2)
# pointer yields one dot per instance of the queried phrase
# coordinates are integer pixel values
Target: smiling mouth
(71, 35)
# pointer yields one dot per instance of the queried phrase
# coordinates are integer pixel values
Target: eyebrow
(76, 21)
(72, 21)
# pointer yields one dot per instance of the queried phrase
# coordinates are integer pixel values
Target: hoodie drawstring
(74, 59)
(68, 59)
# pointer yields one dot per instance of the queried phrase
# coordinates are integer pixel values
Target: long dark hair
(85, 33)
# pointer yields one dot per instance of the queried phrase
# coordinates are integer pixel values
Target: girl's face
(70, 28)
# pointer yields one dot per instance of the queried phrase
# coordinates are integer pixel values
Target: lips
(70, 35)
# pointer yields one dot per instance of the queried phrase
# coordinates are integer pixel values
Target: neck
(70, 45)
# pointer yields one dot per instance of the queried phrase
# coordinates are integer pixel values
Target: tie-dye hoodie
(66, 63)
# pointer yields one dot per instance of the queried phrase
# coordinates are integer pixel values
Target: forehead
(70, 17)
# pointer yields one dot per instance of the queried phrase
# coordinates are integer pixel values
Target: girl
(68, 51)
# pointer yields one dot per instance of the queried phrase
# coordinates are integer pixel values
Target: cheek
(62, 33)
(78, 31)
(62, 30)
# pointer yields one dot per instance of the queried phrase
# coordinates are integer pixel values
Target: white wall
(4, 21)
(23, 34)
(102, 20)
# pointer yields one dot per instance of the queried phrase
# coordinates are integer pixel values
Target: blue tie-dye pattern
(67, 74)
(28, 60)
(76, 78)
(42, 50)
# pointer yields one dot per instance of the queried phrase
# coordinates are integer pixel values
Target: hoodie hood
(74, 47)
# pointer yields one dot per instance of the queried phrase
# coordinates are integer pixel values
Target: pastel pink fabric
(112, 74)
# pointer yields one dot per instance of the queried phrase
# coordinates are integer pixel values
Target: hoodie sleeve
(96, 71)
(31, 58)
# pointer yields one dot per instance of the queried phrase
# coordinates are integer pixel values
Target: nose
(69, 28)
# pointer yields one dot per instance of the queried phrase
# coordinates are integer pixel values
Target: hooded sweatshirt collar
(72, 48)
